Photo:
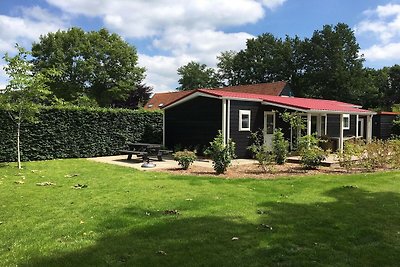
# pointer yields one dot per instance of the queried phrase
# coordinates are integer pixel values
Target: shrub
(68, 132)
(396, 126)
(352, 151)
(261, 153)
(280, 147)
(311, 155)
(377, 154)
(221, 154)
(185, 158)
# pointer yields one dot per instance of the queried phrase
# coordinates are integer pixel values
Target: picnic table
(145, 151)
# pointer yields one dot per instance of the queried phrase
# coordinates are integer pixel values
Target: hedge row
(69, 132)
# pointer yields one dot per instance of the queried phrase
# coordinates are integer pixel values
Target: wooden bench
(146, 154)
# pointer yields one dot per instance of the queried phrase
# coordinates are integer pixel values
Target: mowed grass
(119, 219)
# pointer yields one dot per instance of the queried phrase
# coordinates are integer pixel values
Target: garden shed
(195, 119)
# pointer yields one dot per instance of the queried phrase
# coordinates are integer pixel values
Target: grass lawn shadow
(355, 228)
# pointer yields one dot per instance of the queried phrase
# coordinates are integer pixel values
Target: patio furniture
(145, 151)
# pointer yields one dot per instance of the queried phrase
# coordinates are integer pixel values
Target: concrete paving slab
(167, 163)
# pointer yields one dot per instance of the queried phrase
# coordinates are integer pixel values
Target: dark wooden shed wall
(193, 123)
(382, 125)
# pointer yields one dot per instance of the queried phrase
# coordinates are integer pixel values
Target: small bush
(261, 152)
(280, 147)
(377, 154)
(396, 126)
(311, 155)
(221, 154)
(352, 151)
(185, 158)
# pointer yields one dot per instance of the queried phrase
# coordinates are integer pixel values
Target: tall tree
(195, 75)
(137, 98)
(333, 67)
(25, 92)
(95, 64)
(226, 68)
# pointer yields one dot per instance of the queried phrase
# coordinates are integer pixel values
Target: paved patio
(167, 163)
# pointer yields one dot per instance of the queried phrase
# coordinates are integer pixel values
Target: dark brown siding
(241, 138)
(382, 126)
(194, 123)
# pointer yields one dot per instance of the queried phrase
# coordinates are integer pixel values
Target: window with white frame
(244, 120)
(346, 121)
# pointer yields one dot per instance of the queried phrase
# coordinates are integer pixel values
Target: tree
(137, 97)
(333, 67)
(95, 64)
(25, 93)
(195, 75)
(265, 59)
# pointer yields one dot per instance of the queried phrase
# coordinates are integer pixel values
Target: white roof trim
(190, 97)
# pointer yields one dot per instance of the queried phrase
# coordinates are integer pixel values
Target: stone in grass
(162, 252)
(19, 182)
(79, 186)
(45, 184)
(235, 238)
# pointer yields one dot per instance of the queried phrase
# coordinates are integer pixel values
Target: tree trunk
(18, 146)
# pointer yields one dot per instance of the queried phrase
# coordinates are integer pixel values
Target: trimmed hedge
(75, 132)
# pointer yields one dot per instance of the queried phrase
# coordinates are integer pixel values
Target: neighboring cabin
(195, 118)
(160, 100)
(383, 124)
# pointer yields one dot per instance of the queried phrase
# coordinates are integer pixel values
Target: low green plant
(185, 158)
(396, 126)
(221, 153)
(261, 152)
(352, 151)
(311, 155)
(280, 147)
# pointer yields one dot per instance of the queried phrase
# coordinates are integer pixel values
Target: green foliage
(221, 154)
(396, 126)
(68, 131)
(311, 155)
(97, 64)
(195, 75)
(376, 154)
(25, 93)
(352, 151)
(280, 147)
(185, 158)
(261, 152)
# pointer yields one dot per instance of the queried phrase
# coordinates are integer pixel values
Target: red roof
(160, 100)
(388, 113)
(290, 102)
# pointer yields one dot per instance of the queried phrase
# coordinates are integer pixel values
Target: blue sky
(170, 33)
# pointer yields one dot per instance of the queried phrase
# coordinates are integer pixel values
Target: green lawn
(119, 220)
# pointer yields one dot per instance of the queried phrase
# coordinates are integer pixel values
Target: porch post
(341, 145)
(308, 124)
(356, 125)
(369, 128)
(228, 118)
(163, 128)
(319, 129)
(224, 120)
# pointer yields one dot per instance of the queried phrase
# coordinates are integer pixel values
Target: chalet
(159, 100)
(195, 118)
(383, 124)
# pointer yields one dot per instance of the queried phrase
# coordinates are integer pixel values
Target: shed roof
(304, 104)
(160, 100)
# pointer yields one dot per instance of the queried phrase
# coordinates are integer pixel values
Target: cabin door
(360, 127)
(269, 128)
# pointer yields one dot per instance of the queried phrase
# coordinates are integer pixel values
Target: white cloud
(384, 24)
(26, 28)
(382, 52)
(143, 18)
